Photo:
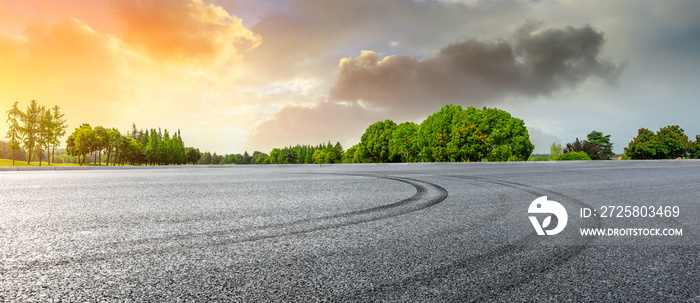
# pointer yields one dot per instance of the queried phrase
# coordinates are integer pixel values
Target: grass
(8, 163)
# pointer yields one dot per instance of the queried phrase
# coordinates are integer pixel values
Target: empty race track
(407, 233)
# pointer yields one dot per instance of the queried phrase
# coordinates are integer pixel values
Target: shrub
(572, 156)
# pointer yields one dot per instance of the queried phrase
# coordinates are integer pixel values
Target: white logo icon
(543, 206)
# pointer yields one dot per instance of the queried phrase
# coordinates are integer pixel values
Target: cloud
(156, 73)
(316, 124)
(182, 30)
(67, 62)
(535, 63)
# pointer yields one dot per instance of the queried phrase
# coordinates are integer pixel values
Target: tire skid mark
(490, 289)
(427, 194)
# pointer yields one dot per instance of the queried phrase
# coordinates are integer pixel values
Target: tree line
(597, 146)
(451, 134)
(138, 147)
(36, 130)
(669, 142)
(299, 154)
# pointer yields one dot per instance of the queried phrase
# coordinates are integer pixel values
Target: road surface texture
(342, 233)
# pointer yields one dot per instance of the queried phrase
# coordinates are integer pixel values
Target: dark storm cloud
(532, 63)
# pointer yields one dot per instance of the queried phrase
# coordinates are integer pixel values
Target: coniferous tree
(14, 133)
(30, 128)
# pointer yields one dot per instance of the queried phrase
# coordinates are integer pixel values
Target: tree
(508, 138)
(453, 134)
(113, 144)
(468, 143)
(14, 133)
(694, 148)
(45, 138)
(205, 159)
(30, 128)
(259, 158)
(101, 142)
(669, 142)
(193, 155)
(403, 143)
(81, 142)
(374, 143)
(643, 146)
(349, 155)
(319, 156)
(246, 158)
(434, 134)
(604, 151)
(592, 150)
(286, 156)
(555, 151)
(672, 142)
(59, 128)
(334, 153)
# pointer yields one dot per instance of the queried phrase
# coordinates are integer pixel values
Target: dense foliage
(597, 146)
(574, 156)
(135, 148)
(36, 130)
(669, 142)
(451, 134)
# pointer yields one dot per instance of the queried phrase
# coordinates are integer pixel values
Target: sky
(242, 75)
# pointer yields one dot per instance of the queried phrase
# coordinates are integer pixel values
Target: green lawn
(8, 162)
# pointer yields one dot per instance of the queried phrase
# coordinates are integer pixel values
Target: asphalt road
(343, 233)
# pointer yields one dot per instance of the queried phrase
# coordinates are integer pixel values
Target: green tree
(193, 155)
(259, 158)
(319, 156)
(453, 134)
(468, 143)
(604, 150)
(274, 156)
(643, 146)
(59, 128)
(205, 159)
(14, 133)
(694, 148)
(334, 153)
(508, 138)
(349, 154)
(45, 137)
(30, 128)
(669, 142)
(101, 143)
(434, 134)
(81, 142)
(672, 142)
(113, 144)
(286, 156)
(555, 151)
(374, 143)
(403, 143)
(246, 158)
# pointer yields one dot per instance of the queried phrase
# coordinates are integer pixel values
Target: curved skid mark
(489, 290)
(427, 194)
